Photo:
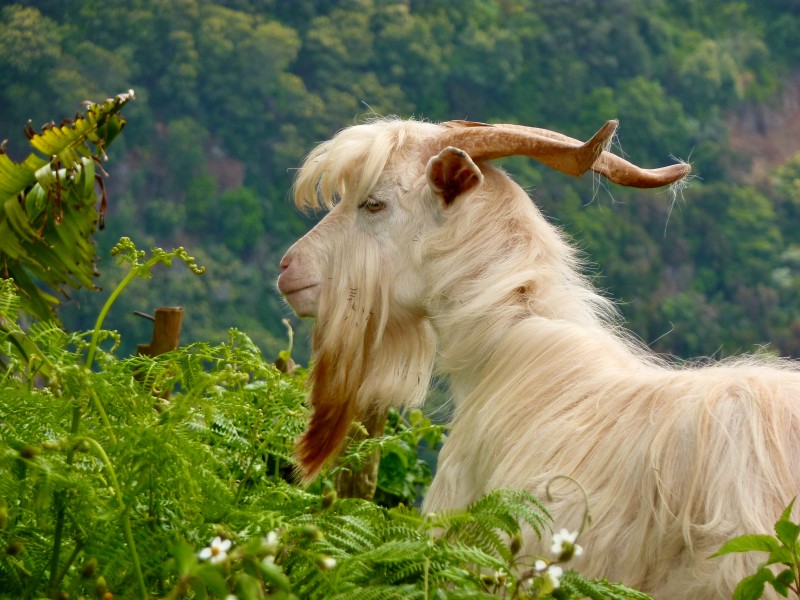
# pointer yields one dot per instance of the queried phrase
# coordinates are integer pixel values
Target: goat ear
(452, 173)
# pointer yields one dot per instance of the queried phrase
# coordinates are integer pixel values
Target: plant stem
(425, 577)
(60, 502)
(61, 507)
(103, 415)
(104, 312)
(245, 477)
(126, 522)
(70, 560)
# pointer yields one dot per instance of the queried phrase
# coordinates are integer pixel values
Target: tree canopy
(231, 94)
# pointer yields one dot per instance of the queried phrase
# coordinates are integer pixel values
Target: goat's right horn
(556, 150)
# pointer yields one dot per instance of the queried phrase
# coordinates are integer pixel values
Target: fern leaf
(583, 587)
(380, 592)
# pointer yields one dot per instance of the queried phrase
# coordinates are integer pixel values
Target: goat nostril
(285, 261)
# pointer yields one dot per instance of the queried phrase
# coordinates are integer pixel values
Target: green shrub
(170, 477)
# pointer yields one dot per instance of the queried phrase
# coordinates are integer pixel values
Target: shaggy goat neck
(499, 265)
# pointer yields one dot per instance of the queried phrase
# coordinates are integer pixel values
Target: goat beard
(366, 356)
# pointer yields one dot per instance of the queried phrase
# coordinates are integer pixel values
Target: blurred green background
(232, 94)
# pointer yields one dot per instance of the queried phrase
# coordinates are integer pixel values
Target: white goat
(431, 254)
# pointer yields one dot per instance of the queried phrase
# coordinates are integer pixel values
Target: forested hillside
(231, 95)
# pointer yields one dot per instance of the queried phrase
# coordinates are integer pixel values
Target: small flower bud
(567, 552)
(100, 586)
(516, 544)
(326, 563)
(328, 499)
(15, 547)
(311, 532)
(89, 567)
(51, 445)
(28, 452)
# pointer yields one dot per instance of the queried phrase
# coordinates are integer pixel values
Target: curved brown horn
(488, 142)
(558, 151)
(619, 170)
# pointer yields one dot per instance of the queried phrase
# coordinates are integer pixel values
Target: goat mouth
(303, 299)
(297, 289)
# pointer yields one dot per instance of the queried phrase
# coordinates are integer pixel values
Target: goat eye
(373, 204)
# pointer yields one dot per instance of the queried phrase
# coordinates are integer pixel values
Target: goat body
(432, 256)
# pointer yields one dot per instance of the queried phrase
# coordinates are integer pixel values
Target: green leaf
(781, 555)
(47, 207)
(782, 582)
(752, 587)
(247, 588)
(14, 178)
(199, 589)
(748, 543)
(786, 515)
(212, 579)
(787, 532)
(274, 576)
(185, 558)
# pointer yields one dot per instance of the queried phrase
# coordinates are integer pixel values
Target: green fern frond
(579, 586)
(465, 554)
(404, 571)
(395, 551)
(381, 592)
(513, 504)
(9, 302)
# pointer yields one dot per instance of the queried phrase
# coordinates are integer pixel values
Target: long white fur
(676, 459)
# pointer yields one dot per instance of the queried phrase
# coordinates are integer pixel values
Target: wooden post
(166, 336)
(166, 331)
(362, 483)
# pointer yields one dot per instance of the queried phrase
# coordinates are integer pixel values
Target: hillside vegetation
(232, 94)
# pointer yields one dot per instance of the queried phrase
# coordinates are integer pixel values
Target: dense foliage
(115, 474)
(232, 93)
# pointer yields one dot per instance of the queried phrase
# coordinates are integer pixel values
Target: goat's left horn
(558, 151)
(488, 142)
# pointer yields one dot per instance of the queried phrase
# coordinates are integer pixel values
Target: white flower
(564, 541)
(539, 566)
(559, 538)
(216, 552)
(326, 563)
(554, 572)
(271, 543)
(231, 597)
